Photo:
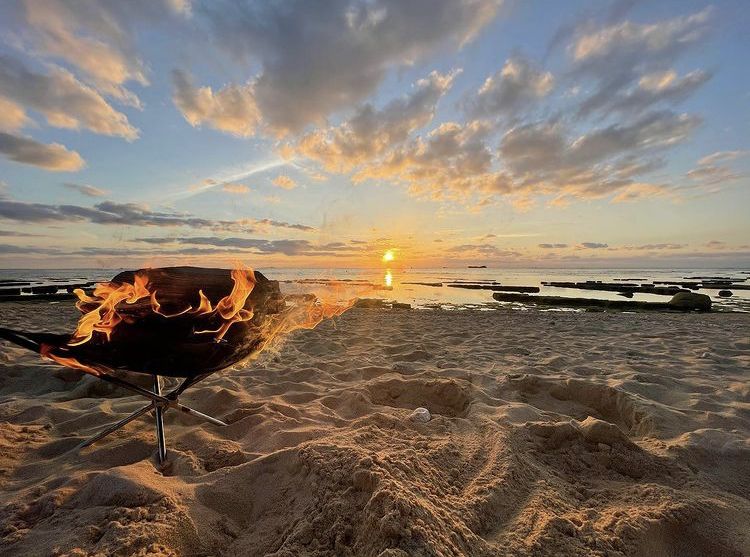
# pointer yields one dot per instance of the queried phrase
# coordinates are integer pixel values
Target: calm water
(392, 283)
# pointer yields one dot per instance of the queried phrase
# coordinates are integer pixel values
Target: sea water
(396, 283)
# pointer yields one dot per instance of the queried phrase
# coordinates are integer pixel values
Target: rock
(400, 305)
(627, 294)
(725, 293)
(690, 301)
(420, 415)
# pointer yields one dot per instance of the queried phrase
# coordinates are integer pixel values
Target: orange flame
(105, 317)
(46, 352)
(232, 307)
(108, 296)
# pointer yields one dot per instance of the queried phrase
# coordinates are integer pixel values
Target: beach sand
(552, 433)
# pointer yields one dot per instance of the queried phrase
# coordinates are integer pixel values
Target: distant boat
(477, 266)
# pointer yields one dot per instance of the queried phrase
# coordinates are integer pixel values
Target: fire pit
(184, 322)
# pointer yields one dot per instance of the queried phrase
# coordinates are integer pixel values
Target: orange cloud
(236, 189)
(284, 182)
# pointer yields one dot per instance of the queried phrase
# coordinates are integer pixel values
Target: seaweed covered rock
(690, 301)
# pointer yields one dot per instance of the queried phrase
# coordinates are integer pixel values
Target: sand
(552, 433)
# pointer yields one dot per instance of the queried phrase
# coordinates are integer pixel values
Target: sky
(322, 133)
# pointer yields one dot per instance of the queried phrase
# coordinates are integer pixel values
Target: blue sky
(322, 133)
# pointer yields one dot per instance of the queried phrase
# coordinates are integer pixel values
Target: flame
(232, 307)
(105, 317)
(156, 307)
(46, 352)
(109, 295)
(205, 304)
(302, 313)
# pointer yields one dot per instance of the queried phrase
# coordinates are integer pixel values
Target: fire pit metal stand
(159, 404)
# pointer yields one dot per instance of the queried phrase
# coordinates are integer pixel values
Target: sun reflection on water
(388, 279)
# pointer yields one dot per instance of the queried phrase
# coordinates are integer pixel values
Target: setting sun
(388, 256)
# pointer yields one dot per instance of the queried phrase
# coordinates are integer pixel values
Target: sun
(388, 256)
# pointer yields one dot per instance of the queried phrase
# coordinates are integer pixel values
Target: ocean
(397, 283)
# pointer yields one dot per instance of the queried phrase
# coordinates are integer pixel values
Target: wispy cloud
(85, 189)
(130, 214)
(228, 176)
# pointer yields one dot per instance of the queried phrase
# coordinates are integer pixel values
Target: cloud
(561, 158)
(284, 182)
(53, 156)
(235, 188)
(96, 37)
(637, 191)
(660, 87)
(85, 189)
(320, 58)
(16, 234)
(592, 245)
(12, 115)
(130, 214)
(452, 161)
(482, 250)
(281, 224)
(512, 89)
(63, 100)
(543, 159)
(370, 132)
(231, 109)
(655, 247)
(629, 42)
(262, 246)
(631, 62)
(722, 156)
(710, 175)
(553, 246)
(9, 249)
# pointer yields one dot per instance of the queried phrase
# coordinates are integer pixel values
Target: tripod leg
(160, 424)
(114, 427)
(197, 414)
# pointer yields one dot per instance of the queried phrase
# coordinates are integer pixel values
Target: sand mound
(551, 434)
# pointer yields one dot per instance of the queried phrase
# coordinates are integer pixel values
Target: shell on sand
(553, 434)
(420, 414)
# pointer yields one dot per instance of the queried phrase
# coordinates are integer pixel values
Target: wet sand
(552, 433)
